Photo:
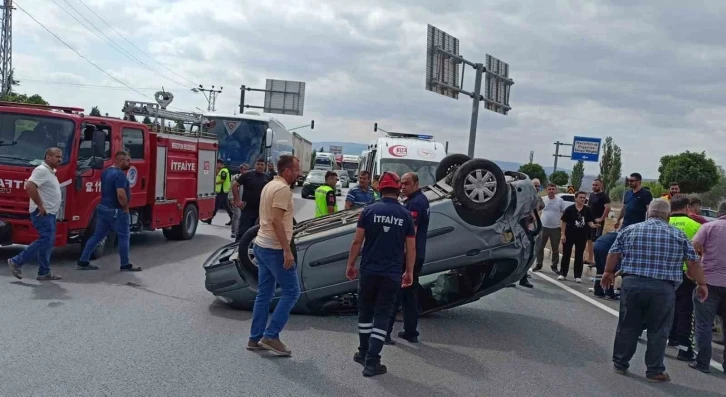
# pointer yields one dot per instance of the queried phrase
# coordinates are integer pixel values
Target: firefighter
(386, 233)
(325, 200)
(223, 184)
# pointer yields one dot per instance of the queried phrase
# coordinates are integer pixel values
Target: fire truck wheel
(187, 228)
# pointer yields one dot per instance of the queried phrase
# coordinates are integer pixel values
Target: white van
(402, 153)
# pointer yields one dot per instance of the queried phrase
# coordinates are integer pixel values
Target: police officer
(325, 201)
(418, 205)
(386, 233)
(222, 186)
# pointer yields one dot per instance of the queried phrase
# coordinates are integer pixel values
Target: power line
(79, 54)
(45, 82)
(133, 45)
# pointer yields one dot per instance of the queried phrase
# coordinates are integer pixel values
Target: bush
(617, 193)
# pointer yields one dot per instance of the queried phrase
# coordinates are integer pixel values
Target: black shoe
(672, 343)
(359, 358)
(389, 341)
(537, 268)
(512, 285)
(130, 268)
(378, 369)
(228, 223)
(554, 270)
(525, 283)
(409, 338)
(686, 355)
(705, 370)
(207, 221)
(85, 266)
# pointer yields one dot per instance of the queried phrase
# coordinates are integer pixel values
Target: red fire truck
(172, 174)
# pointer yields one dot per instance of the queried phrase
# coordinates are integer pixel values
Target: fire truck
(172, 174)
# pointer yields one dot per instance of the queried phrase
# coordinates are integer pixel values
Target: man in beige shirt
(275, 260)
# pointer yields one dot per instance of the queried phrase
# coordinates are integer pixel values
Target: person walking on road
(325, 201)
(222, 186)
(551, 230)
(45, 201)
(236, 211)
(112, 214)
(652, 254)
(386, 233)
(418, 205)
(709, 243)
(361, 195)
(577, 223)
(275, 260)
(635, 203)
(252, 184)
(681, 335)
(599, 203)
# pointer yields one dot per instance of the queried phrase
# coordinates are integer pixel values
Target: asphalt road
(160, 333)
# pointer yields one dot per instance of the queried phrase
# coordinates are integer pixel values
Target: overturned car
(481, 238)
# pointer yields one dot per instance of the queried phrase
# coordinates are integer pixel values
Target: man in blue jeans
(275, 259)
(112, 214)
(601, 247)
(45, 200)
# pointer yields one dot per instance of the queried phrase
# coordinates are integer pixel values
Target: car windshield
(426, 170)
(568, 198)
(316, 175)
(322, 160)
(240, 141)
(24, 138)
(342, 173)
(349, 165)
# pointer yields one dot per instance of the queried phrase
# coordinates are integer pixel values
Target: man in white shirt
(45, 201)
(551, 214)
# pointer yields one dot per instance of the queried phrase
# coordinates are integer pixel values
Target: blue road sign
(586, 149)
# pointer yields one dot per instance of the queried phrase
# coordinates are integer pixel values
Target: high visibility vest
(321, 204)
(688, 226)
(224, 177)
(376, 196)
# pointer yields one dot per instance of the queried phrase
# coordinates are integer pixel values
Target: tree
(717, 193)
(559, 178)
(578, 172)
(312, 159)
(610, 164)
(656, 189)
(147, 120)
(694, 172)
(321, 150)
(22, 98)
(617, 193)
(534, 170)
(95, 111)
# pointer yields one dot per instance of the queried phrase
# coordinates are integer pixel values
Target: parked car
(709, 214)
(314, 180)
(481, 238)
(344, 178)
(568, 198)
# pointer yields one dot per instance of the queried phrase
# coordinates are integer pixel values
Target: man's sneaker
(578, 280)
(85, 266)
(15, 269)
(525, 283)
(48, 277)
(554, 269)
(561, 278)
(620, 370)
(130, 268)
(228, 223)
(254, 345)
(359, 358)
(659, 378)
(537, 268)
(409, 338)
(275, 346)
(705, 370)
(686, 355)
(378, 369)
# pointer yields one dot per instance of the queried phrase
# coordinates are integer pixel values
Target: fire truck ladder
(160, 115)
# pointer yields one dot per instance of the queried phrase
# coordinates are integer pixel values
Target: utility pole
(557, 152)
(212, 98)
(531, 156)
(6, 47)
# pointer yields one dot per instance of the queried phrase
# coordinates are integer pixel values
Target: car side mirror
(268, 138)
(98, 144)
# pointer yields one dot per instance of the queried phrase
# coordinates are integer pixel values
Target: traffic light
(312, 124)
(375, 127)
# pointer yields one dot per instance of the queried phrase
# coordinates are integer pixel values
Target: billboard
(335, 149)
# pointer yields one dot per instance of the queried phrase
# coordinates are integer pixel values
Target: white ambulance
(402, 153)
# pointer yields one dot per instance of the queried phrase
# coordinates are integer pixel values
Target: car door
(134, 140)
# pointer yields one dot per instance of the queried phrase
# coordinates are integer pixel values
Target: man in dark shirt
(599, 203)
(418, 205)
(635, 203)
(386, 232)
(271, 170)
(112, 214)
(252, 183)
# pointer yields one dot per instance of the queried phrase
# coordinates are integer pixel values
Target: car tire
(478, 195)
(449, 164)
(247, 258)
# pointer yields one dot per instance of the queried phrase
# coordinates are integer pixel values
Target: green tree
(617, 193)
(312, 159)
(321, 149)
(95, 112)
(180, 126)
(656, 189)
(559, 178)
(717, 193)
(534, 170)
(23, 98)
(694, 172)
(611, 164)
(578, 172)
(147, 120)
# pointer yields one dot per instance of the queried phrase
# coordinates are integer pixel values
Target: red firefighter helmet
(389, 179)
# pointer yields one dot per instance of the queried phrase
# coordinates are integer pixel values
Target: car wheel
(479, 185)
(449, 164)
(246, 254)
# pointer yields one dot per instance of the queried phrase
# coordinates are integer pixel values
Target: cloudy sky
(647, 73)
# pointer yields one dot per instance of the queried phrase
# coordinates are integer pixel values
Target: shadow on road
(45, 290)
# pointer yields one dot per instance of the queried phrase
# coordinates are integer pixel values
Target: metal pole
(475, 108)
(446, 148)
(242, 99)
(557, 155)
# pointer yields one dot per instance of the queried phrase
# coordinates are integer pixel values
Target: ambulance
(402, 153)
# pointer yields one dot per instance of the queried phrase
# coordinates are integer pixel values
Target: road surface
(160, 333)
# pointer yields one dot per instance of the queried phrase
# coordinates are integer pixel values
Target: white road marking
(597, 304)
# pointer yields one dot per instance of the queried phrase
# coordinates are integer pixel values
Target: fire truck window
(133, 141)
(85, 149)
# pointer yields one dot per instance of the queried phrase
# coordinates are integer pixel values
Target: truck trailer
(302, 149)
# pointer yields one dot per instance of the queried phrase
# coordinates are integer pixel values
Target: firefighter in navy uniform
(418, 205)
(386, 232)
